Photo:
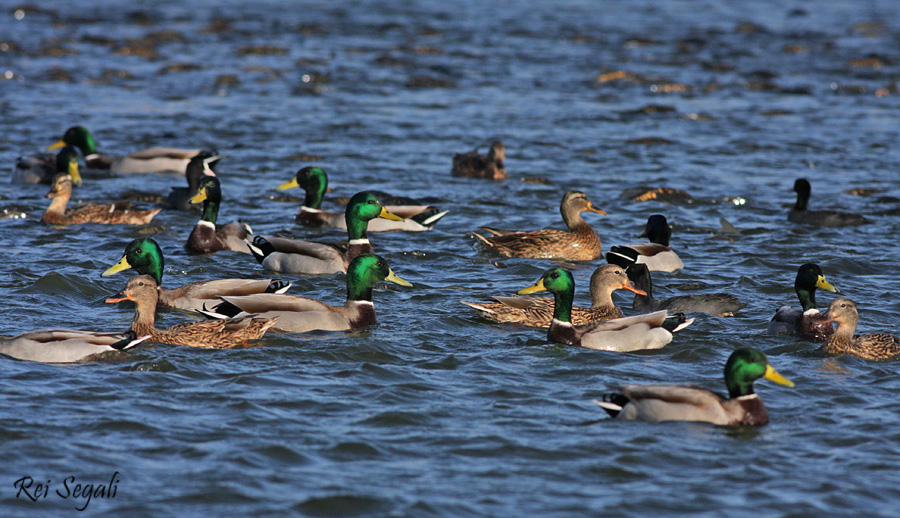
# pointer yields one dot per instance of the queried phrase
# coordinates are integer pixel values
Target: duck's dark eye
(371, 202)
(554, 275)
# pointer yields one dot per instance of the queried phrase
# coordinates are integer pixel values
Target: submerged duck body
(819, 218)
(579, 243)
(658, 403)
(716, 304)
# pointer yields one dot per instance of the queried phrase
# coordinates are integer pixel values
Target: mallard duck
(66, 345)
(805, 321)
(146, 257)
(301, 314)
(207, 237)
(579, 243)
(819, 218)
(475, 165)
(43, 168)
(179, 198)
(716, 304)
(663, 194)
(309, 257)
(209, 334)
(618, 334)
(113, 213)
(870, 346)
(416, 215)
(149, 160)
(538, 311)
(656, 254)
(657, 403)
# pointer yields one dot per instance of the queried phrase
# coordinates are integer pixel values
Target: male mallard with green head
(416, 216)
(657, 403)
(301, 314)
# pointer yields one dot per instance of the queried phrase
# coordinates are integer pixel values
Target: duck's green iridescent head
(745, 366)
(313, 180)
(209, 192)
(554, 280)
(79, 137)
(561, 284)
(67, 162)
(810, 277)
(365, 272)
(142, 255)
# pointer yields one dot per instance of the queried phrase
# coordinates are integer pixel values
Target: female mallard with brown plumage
(618, 334)
(579, 243)
(310, 257)
(155, 159)
(207, 237)
(44, 167)
(210, 334)
(538, 311)
(146, 257)
(416, 216)
(475, 165)
(870, 346)
(301, 314)
(806, 321)
(657, 403)
(113, 213)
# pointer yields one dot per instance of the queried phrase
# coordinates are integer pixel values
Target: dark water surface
(435, 412)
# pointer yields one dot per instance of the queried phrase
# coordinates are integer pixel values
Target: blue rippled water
(435, 412)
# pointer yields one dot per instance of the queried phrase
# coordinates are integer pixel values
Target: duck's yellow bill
(534, 288)
(288, 185)
(116, 268)
(397, 280)
(73, 172)
(56, 145)
(199, 197)
(772, 374)
(386, 214)
(825, 285)
(632, 288)
(592, 208)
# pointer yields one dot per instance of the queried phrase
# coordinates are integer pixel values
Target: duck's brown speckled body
(538, 311)
(870, 346)
(579, 243)
(113, 213)
(210, 334)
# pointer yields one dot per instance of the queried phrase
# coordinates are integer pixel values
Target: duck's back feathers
(207, 237)
(296, 256)
(475, 165)
(66, 345)
(658, 403)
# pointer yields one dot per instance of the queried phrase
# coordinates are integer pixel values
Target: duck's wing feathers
(295, 314)
(786, 320)
(193, 296)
